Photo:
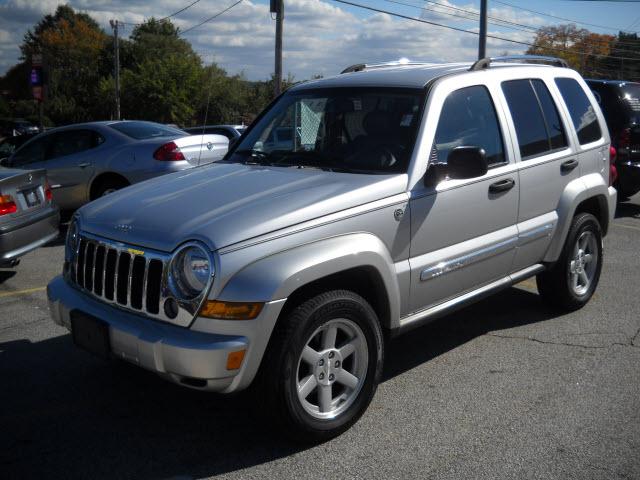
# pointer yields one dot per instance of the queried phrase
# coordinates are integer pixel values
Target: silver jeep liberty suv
(394, 194)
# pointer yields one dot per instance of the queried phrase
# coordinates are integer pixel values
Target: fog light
(234, 360)
(231, 310)
(171, 308)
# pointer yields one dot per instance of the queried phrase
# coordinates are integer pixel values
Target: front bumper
(196, 359)
(27, 234)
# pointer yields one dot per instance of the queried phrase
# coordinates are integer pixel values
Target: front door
(463, 231)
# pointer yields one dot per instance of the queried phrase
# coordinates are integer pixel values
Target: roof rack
(484, 63)
(358, 67)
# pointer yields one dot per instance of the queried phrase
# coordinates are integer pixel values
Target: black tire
(107, 186)
(555, 283)
(277, 379)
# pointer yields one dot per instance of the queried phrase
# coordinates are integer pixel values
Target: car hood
(222, 204)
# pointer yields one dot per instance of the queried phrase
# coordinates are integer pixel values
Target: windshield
(144, 130)
(631, 96)
(364, 130)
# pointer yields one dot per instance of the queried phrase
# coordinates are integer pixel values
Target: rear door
(70, 165)
(548, 161)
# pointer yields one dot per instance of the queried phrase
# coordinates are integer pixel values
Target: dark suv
(620, 103)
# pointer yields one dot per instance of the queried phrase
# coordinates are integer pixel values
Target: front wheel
(323, 366)
(570, 283)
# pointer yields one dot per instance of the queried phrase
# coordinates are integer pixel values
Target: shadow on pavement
(6, 275)
(66, 414)
(628, 210)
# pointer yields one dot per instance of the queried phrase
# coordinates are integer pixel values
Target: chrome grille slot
(154, 281)
(138, 267)
(110, 274)
(123, 278)
(117, 274)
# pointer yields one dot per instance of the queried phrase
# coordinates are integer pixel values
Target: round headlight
(72, 238)
(191, 270)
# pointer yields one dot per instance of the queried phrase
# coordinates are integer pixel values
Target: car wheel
(570, 283)
(322, 366)
(108, 187)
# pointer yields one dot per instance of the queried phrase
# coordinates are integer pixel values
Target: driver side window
(468, 118)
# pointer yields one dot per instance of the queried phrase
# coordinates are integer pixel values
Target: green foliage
(162, 77)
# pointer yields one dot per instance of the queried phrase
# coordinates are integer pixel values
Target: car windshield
(144, 130)
(363, 130)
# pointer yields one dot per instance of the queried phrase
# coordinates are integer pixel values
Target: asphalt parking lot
(506, 388)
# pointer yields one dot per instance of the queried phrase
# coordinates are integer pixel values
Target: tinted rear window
(555, 129)
(527, 118)
(144, 130)
(582, 112)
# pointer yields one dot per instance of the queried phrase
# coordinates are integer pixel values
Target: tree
(583, 50)
(71, 45)
(624, 61)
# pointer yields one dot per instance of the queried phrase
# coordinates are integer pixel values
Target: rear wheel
(322, 366)
(570, 283)
(108, 186)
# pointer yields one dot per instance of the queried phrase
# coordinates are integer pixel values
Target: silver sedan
(86, 161)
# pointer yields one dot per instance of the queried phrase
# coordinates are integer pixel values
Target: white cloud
(320, 37)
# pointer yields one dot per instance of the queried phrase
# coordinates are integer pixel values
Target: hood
(222, 204)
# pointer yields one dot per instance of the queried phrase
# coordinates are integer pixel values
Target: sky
(321, 37)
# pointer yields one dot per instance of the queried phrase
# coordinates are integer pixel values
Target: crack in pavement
(567, 344)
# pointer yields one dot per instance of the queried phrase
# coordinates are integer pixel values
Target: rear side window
(557, 138)
(582, 112)
(526, 111)
(73, 141)
(469, 118)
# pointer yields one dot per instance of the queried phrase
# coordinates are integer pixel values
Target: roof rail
(535, 59)
(358, 67)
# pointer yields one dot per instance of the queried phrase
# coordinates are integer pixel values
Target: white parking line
(626, 226)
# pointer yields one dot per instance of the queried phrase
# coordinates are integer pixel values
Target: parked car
(15, 127)
(10, 144)
(230, 131)
(28, 216)
(620, 103)
(410, 191)
(89, 160)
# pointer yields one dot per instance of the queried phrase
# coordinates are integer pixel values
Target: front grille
(120, 274)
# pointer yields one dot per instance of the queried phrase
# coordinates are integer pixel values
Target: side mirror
(462, 163)
(233, 141)
(466, 162)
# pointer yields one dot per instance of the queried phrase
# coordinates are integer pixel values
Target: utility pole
(277, 7)
(116, 68)
(482, 41)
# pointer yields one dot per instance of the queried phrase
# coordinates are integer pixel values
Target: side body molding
(577, 191)
(278, 275)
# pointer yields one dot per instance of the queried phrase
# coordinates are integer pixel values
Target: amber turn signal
(231, 310)
(234, 360)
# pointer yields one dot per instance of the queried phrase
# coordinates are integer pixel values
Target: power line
(211, 18)
(495, 37)
(164, 18)
(559, 18)
(594, 43)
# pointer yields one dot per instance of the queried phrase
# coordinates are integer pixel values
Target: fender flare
(576, 192)
(278, 275)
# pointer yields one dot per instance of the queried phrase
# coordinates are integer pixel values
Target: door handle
(84, 165)
(569, 165)
(502, 185)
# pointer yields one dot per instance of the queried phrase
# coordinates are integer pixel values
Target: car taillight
(7, 205)
(168, 152)
(48, 194)
(613, 171)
